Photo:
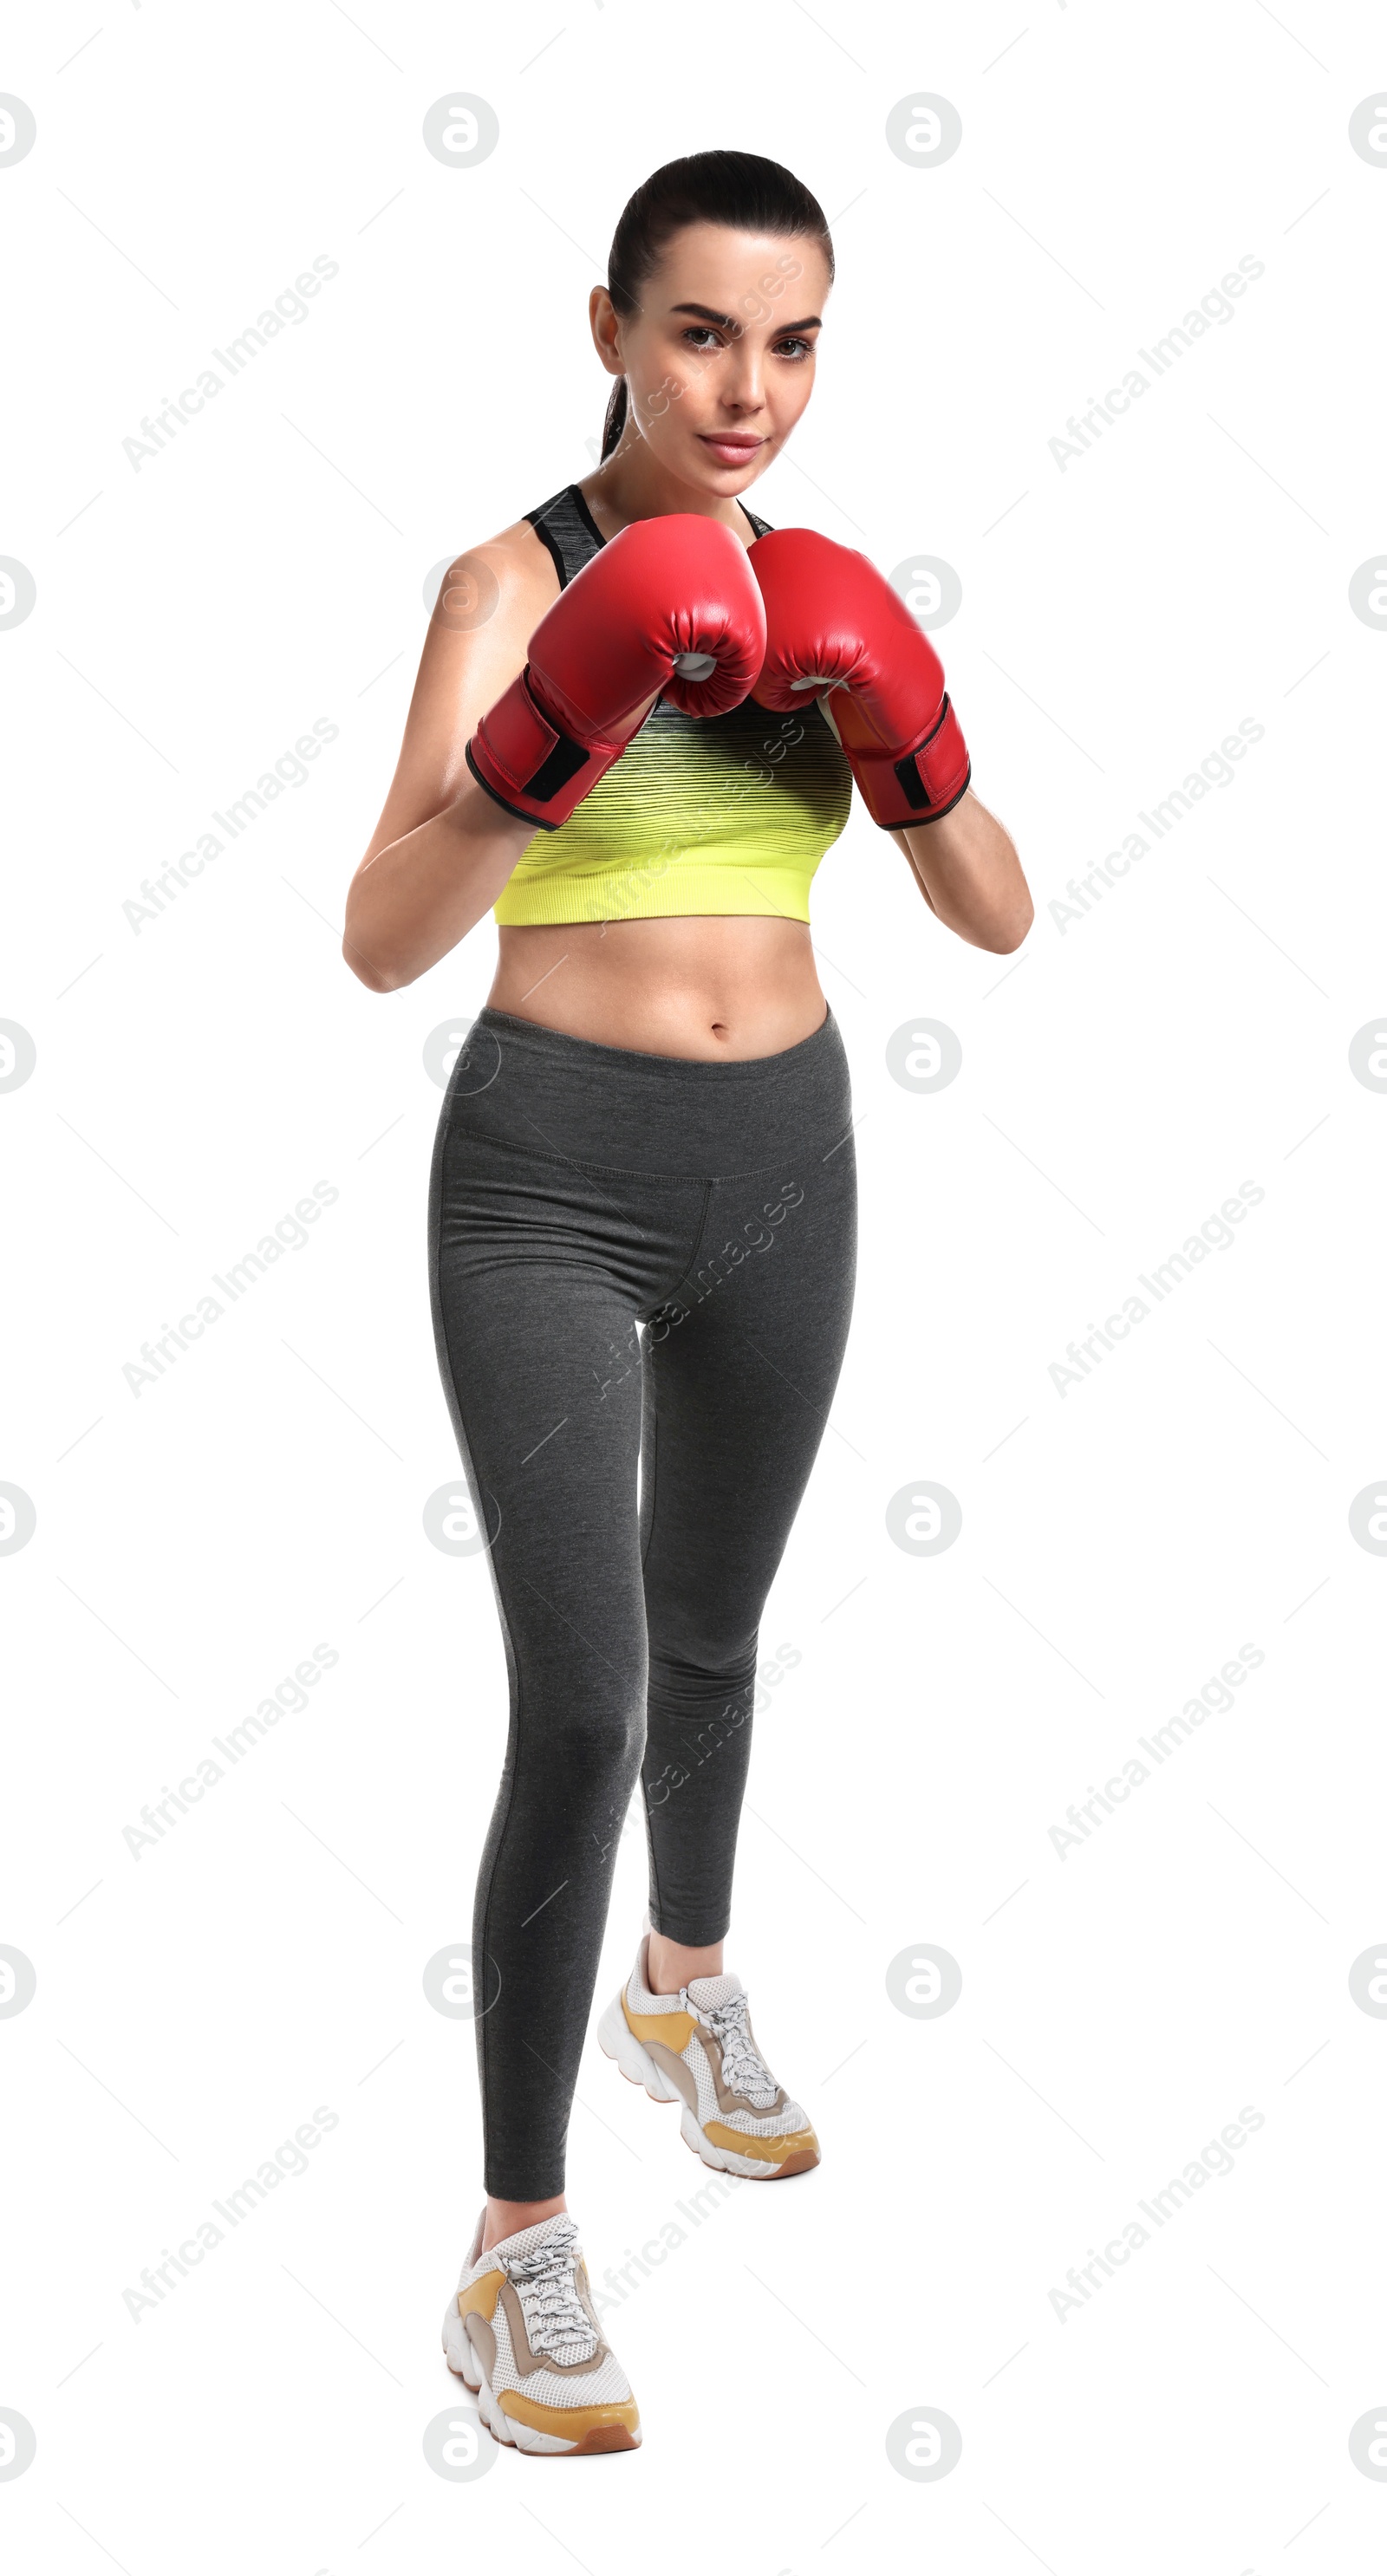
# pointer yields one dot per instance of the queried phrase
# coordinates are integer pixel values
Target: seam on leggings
(559, 1161)
(573, 1162)
(704, 1214)
(627, 1172)
(725, 1180)
(643, 1554)
(654, 1464)
(514, 1750)
(652, 1862)
(512, 1659)
(700, 1230)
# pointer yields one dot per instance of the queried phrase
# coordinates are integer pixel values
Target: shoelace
(744, 2069)
(554, 2319)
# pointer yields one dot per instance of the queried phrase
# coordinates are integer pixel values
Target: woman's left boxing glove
(668, 608)
(834, 625)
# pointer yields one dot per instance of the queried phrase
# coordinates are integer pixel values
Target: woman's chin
(720, 476)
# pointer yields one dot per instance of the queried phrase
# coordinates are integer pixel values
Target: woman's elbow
(1017, 928)
(377, 975)
(1003, 933)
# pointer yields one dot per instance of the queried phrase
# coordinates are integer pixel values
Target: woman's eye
(701, 336)
(794, 348)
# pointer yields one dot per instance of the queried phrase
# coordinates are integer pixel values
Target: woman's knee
(700, 1656)
(597, 1744)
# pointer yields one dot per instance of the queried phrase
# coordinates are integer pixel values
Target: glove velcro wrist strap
(529, 764)
(920, 785)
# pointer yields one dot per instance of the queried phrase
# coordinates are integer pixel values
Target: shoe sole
(617, 2040)
(507, 2430)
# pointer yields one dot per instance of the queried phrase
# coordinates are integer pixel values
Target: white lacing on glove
(554, 2318)
(744, 2069)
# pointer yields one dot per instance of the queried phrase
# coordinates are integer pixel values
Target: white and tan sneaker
(521, 2330)
(697, 2047)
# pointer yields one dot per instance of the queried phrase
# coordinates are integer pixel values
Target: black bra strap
(567, 527)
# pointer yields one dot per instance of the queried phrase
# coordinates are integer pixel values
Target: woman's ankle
(507, 2217)
(669, 1965)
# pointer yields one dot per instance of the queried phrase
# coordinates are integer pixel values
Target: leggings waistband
(543, 1092)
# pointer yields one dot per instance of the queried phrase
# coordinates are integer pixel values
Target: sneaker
(523, 2333)
(697, 2048)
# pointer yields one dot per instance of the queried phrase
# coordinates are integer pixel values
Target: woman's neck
(633, 485)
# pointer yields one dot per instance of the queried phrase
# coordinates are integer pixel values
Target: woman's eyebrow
(728, 322)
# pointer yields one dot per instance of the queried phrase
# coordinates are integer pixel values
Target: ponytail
(737, 189)
(615, 421)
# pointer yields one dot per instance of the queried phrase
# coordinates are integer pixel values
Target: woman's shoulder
(538, 555)
(511, 574)
(518, 549)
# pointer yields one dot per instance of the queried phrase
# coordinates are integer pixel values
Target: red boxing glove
(668, 608)
(834, 622)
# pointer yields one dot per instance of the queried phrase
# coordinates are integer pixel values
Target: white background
(1120, 1542)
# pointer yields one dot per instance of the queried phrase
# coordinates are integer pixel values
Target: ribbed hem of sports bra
(754, 893)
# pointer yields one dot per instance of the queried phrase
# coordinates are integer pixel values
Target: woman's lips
(730, 451)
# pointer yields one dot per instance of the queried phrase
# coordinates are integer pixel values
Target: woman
(643, 1206)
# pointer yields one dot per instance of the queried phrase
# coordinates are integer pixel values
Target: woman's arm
(443, 849)
(966, 867)
(835, 624)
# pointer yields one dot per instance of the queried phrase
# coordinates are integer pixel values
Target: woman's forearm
(420, 895)
(970, 876)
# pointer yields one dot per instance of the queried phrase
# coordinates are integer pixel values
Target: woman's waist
(715, 987)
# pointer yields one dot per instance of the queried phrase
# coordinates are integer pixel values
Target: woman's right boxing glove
(668, 608)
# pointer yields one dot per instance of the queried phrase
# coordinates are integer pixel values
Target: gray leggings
(632, 1256)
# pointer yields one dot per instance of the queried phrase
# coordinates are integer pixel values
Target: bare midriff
(716, 987)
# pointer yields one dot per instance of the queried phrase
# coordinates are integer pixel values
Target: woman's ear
(605, 324)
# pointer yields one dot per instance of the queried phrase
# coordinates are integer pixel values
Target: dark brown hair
(738, 189)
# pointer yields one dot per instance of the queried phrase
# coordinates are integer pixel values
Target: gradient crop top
(712, 814)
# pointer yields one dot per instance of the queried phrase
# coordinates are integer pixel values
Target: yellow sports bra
(728, 814)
